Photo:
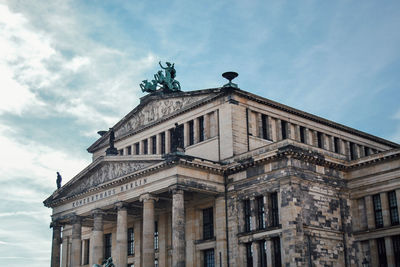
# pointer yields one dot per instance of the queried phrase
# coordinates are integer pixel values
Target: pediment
(101, 173)
(153, 109)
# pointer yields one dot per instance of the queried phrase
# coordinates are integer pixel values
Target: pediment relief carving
(154, 111)
(106, 172)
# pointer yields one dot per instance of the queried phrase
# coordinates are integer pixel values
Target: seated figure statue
(106, 263)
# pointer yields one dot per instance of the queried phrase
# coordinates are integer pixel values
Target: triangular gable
(154, 108)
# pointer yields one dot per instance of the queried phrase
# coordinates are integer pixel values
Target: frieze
(107, 172)
(109, 192)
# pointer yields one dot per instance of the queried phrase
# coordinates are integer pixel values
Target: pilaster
(148, 253)
(76, 250)
(370, 212)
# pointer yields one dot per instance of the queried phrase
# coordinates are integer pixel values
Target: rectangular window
(201, 128)
(378, 210)
(121, 152)
(191, 132)
(380, 242)
(394, 213)
(209, 258)
(86, 249)
(155, 235)
(264, 124)
(131, 241)
(284, 129)
(208, 223)
(145, 146)
(156, 263)
(249, 255)
(274, 210)
(163, 143)
(320, 140)
(129, 150)
(276, 246)
(302, 134)
(366, 151)
(263, 253)
(247, 215)
(153, 145)
(180, 136)
(107, 246)
(396, 249)
(137, 150)
(260, 212)
(336, 145)
(352, 151)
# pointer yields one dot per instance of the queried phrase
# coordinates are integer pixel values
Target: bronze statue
(112, 150)
(106, 263)
(58, 181)
(167, 81)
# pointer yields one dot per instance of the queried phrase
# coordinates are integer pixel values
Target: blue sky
(71, 68)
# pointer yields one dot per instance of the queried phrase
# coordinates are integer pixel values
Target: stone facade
(259, 184)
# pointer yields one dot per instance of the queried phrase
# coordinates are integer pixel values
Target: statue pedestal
(111, 151)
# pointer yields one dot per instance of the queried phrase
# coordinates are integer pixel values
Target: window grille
(260, 212)
(191, 133)
(394, 213)
(396, 249)
(209, 258)
(274, 210)
(107, 246)
(276, 243)
(249, 255)
(131, 241)
(263, 253)
(247, 215)
(381, 252)
(208, 223)
(201, 128)
(156, 235)
(378, 211)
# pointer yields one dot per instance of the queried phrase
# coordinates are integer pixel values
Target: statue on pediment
(112, 150)
(166, 81)
(58, 181)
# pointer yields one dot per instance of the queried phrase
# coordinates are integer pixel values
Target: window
(107, 246)
(156, 263)
(86, 249)
(191, 133)
(264, 124)
(145, 146)
(284, 129)
(366, 151)
(121, 152)
(394, 213)
(396, 249)
(208, 223)
(137, 151)
(260, 212)
(352, 151)
(163, 143)
(276, 245)
(336, 145)
(381, 252)
(302, 134)
(155, 235)
(247, 215)
(153, 145)
(131, 265)
(209, 258)
(249, 255)
(263, 253)
(378, 210)
(131, 241)
(201, 128)
(274, 210)
(320, 140)
(129, 150)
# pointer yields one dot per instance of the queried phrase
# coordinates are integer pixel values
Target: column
(186, 134)
(55, 246)
(278, 125)
(206, 126)
(370, 212)
(196, 130)
(220, 229)
(385, 209)
(97, 237)
(213, 124)
(256, 253)
(389, 251)
(148, 229)
(76, 241)
(65, 250)
(167, 141)
(178, 228)
(267, 211)
(122, 234)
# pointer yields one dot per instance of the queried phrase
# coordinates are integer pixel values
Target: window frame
(208, 223)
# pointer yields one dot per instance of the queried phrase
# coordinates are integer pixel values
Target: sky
(71, 68)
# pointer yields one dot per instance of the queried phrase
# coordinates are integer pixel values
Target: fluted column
(55, 246)
(76, 241)
(178, 228)
(148, 229)
(122, 234)
(97, 237)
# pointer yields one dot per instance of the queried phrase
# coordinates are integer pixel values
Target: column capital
(55, 224)
(98, 212)
(176, 189)
(147, 197)
(120, 205)
(76, 219)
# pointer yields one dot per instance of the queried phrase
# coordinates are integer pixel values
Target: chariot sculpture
(166, 81)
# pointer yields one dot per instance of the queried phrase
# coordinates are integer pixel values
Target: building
(259, 184)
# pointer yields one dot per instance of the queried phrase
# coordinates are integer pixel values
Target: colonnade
(121, 255)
